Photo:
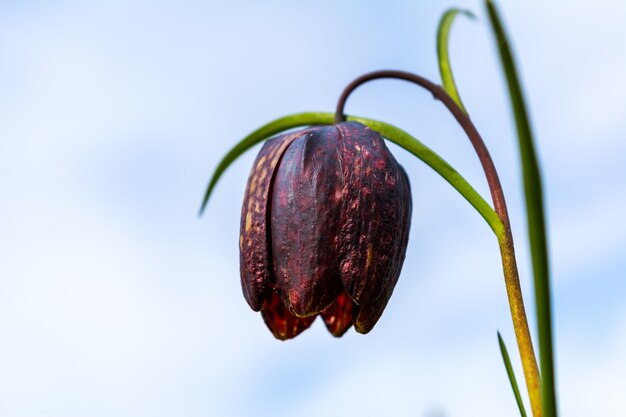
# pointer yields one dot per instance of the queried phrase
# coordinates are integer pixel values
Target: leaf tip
(468, 13)
(205, 201)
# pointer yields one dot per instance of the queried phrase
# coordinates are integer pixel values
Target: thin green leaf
(394, 134)
(445, 69)
(511, 375)
(535, 213)
(259, 135)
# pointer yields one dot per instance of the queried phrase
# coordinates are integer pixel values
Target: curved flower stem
(505, 237)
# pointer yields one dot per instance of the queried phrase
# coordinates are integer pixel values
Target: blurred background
(117, 300)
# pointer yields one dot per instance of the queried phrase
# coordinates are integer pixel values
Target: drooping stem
(505, 238)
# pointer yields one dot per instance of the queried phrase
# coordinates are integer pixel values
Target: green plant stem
(505, 239)
(520, 322)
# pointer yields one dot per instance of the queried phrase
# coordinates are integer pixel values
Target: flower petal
(305, 222)
(375, 209)
(366, 316)
(253, 240)
(338, 316)
(280, 321)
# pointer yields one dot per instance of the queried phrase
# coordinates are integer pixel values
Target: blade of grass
(511, 375)
(445, 69)
(535, 213)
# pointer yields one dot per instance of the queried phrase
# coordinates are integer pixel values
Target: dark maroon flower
(324, 229)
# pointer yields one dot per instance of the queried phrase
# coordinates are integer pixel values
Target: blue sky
(116, 300)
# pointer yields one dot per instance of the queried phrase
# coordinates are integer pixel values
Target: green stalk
(520, 322)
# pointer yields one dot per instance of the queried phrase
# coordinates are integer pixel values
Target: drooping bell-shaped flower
(324, 229)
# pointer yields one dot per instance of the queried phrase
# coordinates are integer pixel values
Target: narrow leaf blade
(511, 375)
(445, 69)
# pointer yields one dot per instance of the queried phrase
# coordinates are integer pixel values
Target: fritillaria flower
(324, 229)
(326, 216)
